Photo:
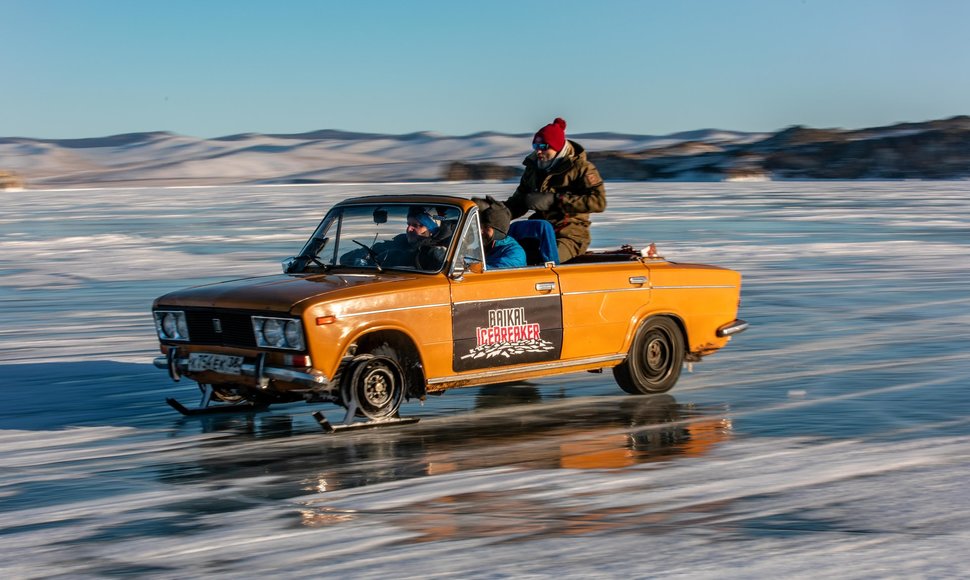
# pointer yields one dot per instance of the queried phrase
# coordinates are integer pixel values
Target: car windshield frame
(375, 236)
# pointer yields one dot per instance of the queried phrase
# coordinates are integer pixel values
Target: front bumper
(177, 365)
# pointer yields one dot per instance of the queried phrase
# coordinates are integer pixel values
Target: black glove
(430, 257)
(483, 203)
(539, 201)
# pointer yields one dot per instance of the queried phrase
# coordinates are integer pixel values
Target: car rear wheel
(374, 387)
(653, 363)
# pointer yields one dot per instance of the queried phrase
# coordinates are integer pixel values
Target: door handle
(545, 286)
(641, 280)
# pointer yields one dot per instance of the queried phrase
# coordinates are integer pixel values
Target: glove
(483, 203)
(539, 201)
(430, 257)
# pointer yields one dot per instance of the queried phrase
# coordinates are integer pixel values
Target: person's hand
(539, 201)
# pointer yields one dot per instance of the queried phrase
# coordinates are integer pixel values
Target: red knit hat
(553, 134)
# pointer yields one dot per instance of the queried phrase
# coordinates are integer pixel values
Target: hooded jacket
(505, 253)
(578, 190)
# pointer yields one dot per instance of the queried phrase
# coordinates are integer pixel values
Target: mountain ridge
(936, 149)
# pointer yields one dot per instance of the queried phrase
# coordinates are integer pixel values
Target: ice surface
(829, 440)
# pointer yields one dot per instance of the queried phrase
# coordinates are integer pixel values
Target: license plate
(220, 363)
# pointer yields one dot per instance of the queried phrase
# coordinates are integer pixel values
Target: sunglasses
(540, 146)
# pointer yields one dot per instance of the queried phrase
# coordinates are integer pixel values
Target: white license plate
(220, 363)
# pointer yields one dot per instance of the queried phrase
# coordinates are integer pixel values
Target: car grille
(236, 327)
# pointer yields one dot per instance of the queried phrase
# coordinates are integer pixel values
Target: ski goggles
(540, 146)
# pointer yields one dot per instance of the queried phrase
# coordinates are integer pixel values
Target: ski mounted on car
(352, 425)
(207, 409)
(349, 423)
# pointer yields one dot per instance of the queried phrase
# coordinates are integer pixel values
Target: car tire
(654, 360)
(374, 384)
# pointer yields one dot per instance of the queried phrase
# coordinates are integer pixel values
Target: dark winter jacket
(579, 191)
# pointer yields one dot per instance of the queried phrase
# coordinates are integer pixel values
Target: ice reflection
(506, 514)
(613, 433)
(513, 426)
(254, 424)
(578, 434)
(598, 434)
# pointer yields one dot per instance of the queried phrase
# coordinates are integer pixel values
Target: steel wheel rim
(657, 355)
(377, 387)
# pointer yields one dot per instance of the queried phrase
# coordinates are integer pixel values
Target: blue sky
(208, 68)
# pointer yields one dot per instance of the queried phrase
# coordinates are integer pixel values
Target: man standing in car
(561, 186)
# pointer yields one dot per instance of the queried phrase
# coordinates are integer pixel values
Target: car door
(599, 302)
(501, 317)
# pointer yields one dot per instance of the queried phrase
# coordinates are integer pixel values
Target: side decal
(506, 332)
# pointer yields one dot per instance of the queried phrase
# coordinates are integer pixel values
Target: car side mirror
(289, 264)
(466, 266)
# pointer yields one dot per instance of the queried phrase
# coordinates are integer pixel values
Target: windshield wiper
(371, 254)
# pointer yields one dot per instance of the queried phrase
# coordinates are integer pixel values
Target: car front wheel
(653, 363)
(375, 385)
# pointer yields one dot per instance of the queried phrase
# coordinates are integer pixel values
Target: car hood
(278, 293)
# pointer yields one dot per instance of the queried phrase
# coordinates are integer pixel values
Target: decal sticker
(506, 332)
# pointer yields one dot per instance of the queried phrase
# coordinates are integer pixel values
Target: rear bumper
(732, 328)
(176, 366)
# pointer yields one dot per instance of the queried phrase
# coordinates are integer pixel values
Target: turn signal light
(297, 360)
(328, 319)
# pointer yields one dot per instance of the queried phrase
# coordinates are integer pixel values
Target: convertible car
(365, 319)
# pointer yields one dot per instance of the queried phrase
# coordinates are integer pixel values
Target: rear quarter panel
(702, 297)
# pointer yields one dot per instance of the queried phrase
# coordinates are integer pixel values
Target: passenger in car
(428, 237)
(501, 249)
(562, 186)
(423, 244)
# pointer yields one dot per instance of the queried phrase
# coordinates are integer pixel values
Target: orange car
(365, 318)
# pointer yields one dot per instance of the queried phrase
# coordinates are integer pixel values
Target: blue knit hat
(425, 218)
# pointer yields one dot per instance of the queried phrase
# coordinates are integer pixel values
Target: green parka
(579, 191)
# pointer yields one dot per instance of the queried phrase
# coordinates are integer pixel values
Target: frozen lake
(832, 439)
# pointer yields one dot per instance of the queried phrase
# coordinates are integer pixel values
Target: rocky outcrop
(461, 171)
(10, 181)
(935, 150)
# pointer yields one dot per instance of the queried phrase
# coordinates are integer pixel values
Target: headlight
(273, 332)
(294, 334)
(171, 325)
(278, 332)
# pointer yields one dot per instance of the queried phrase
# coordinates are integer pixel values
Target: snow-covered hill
(933, 149)
(161, 158)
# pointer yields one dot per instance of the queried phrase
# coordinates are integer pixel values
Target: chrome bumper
(732, 328)
(262, 373)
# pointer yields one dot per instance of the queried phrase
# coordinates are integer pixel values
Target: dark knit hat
(553, 134)
(493, 213)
